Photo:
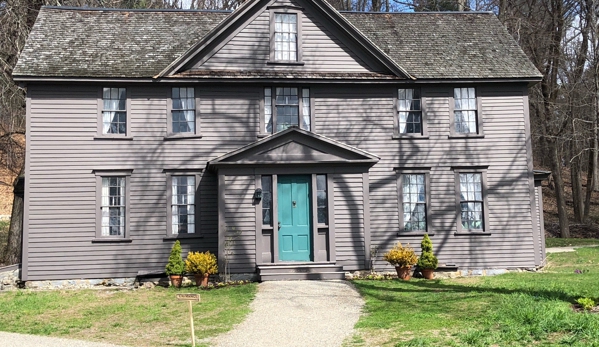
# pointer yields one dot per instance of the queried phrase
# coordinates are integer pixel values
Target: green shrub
(586, 303)
(427, 259)
(175, 265)
(201, 263)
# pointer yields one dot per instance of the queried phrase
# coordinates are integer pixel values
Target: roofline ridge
(422, 12)
(112, 9)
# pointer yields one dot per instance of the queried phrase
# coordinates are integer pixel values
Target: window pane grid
(414, 202)
(321, 199)
(268, 110)
(183, 110)
(465, 110)
(267, 200)
(285, 36)
(287, 106)
(471, 201)
(305, 109)
(409, 111)
(114, 111)
(183, 204)
(113, 206)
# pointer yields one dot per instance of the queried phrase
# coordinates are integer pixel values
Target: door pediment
(295, 146)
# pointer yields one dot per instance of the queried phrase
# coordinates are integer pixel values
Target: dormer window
(285, 37)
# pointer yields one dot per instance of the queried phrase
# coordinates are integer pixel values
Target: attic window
(285, 34)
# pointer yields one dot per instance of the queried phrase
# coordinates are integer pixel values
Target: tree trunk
(556, 171)
(591, 174)
(12, 252)
(577, 196)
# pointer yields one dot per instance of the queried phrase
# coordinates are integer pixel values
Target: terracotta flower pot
(201, 279)
(404, 272)
(428, 273)
(176, 280)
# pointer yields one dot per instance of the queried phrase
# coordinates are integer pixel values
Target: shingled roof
(140, 44)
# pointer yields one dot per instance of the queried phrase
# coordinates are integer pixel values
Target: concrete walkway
(20, 340)
(297, 313)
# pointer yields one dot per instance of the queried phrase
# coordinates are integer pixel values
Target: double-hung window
(183, 110)
(285, 107)
(465, 111)
(409, 111)
(114, 111)
(113, 203)
(182, 207)
(285, 37)
(414, 201)
(471, 201)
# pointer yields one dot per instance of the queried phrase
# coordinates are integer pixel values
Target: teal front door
(293, 199)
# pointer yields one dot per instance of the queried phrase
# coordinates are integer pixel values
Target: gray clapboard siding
(240, 222)
(322, 50)
(349, 220)
(353, 116)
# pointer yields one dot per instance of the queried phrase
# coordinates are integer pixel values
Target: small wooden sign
(188, 297)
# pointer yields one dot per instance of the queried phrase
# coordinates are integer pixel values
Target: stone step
(300, 271)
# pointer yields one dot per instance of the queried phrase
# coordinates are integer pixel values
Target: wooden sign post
(190, 298)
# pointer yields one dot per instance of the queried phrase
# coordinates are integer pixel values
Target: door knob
(293, 203)
(279, 225)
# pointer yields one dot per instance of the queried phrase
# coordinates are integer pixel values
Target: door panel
(293, 199)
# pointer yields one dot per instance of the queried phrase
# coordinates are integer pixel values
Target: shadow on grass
(438, 286)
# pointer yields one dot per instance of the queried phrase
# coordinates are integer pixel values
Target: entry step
(302, 271)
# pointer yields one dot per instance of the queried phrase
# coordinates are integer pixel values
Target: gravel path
(20, 340)
(297, 313)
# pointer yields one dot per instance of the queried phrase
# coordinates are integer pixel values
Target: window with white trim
(114, 111)
(286, 108)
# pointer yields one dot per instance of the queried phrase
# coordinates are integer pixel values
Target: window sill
(261, 136)
(284, 62)
(110, 138)
(470, 233)
(409, 234)
(110, 240)
(181, 137)
(182, 236)
(410, 137)
(467, 136)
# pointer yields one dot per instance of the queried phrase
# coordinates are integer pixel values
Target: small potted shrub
(402, 258)
(201, 265)
(427, 263)
(175, 266)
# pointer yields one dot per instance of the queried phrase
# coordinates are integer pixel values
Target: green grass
(515, 309)
(559, 242)
(144, 317)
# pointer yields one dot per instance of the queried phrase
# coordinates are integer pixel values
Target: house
(288, 138)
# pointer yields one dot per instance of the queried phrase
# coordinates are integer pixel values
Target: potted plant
(402, 258)
(427, 263)
(175, 266)
(201, 265)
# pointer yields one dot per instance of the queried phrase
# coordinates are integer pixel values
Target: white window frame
(305, 105)
(100, 133)
(196, 133)
(485, 203)
(100, 174)
(169, 202)
(400, 175)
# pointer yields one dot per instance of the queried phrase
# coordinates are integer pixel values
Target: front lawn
(560, 242)
(143, 317)
(515, 309)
